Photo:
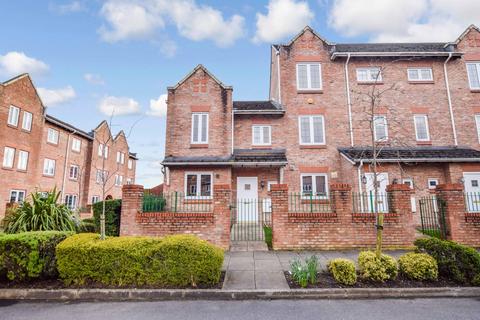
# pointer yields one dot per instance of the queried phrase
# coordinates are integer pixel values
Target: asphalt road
(423, 309)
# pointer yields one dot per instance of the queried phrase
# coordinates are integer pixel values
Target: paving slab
(268, 265)
(262, 255)
(241, 264)
(239, 280)
(270, 280)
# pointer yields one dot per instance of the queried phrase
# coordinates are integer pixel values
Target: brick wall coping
(279, 187)
(340, 187)
(398, 187)
(130, 187)
(450, 187)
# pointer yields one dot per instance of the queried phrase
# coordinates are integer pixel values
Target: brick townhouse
(312, 131)
(40, 152)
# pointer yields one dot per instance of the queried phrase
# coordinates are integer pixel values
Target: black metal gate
(250, 218)
(432, 215)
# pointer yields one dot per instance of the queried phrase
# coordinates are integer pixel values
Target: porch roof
(257, 107)
(259, 155)
(414, 154)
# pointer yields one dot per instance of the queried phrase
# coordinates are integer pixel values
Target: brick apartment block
(312, 132)
(40, 152)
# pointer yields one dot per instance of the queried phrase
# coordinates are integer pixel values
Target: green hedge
(377, 269)
(179, 260)
(29, 255)
(455, 261)
(113, 210)
(418, 266)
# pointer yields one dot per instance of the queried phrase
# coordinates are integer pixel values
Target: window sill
(369, 82)
(475, 90)
(309, 91)
(12, 126)
(22, 170)
(73, 179)
(424, 143)
(421, 82)
(53, 144)
(8, 168)
(198, 146)
(259, 146)
(197, 201)
(321, 146)
(48, 176)
(26, 131)
(75, 151)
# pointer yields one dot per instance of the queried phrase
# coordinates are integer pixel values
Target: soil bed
(57, 284)
(325, 280)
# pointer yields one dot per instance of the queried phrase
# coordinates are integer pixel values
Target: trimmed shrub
(418, 266)
(455, 261)
(113, 209)
(29, 255)
(87, 226)
(343, 271)
(377, 269)
(180, 260)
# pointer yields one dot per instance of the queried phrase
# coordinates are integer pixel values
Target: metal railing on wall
(299, 202)
(176, 202)
(368, 202)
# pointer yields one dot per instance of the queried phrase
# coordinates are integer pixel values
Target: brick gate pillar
(222, 196)
(279, 196)
(400, 205)
(341, 201)
(132, 203)
(454, 208)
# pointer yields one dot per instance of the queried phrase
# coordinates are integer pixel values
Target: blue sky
(91, 57)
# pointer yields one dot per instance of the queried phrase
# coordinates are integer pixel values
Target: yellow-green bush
(29, 255)
(179, 260)
(375, 268)
(418, 266)
(343, 270)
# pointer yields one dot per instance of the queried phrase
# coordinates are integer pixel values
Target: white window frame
(22, 162)
(120, 157)
(424, 116)
(100, 176)
(72, 204)
(477, 122)
(13, 116)
(312, 142)
(408, 180)
(27, 120)
(419, 74)
(309, 76)
(130, 164)
(199, 175)
(17, 198)
(8, 162)
(95, 199)
(432, 180)
(375, 128)
(200, 128)
(52, 136)
(369, 71)
(314, 185)
(118, 180)
(76, 172)
(477, 67)
(129, 181)
(47, 167)
(76, 145)
(262, 136)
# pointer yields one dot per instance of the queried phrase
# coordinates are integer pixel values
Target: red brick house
(312, 133)
(40, 152)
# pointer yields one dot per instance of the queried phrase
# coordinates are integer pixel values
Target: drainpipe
(349, 100)
(452, 119)
(67, 151)
(233, 127)
(278, 77)
(360, 176)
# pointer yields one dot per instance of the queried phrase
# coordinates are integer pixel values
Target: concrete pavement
(425, 309)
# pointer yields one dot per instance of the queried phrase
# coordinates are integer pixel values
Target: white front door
(382, 202)
(472, 190)
(247, 199)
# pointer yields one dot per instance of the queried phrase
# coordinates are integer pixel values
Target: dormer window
(309, 76)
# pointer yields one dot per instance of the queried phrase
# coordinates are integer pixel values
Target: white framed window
(408, 182)
(477, 122)
(130, 164)
(118, 180)
(76, 144)
(314, 185)
(95, 199)
(473, 70)
(261, 135)
(71, 201)
(380, 128)
(311, 130)
(420, 74)
(22, 161)
(100, 150)
(13, 114)
(8, 157)
(103, 150)
(101, 176)
(73, 172)
(17, 196)
(199, 128)
(370, 74)
(49, 167)
(198, 185)
(421, 128)
(309, 76)
(129, 181)
(120, 157)
(27, 121)
(432, 183)
(52, 136)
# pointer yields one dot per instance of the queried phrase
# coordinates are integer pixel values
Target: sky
(91, 58)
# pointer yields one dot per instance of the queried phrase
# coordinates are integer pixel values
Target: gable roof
(191, 73)
(21, 76)
(464, 33)
(68, 126)
(305, 29)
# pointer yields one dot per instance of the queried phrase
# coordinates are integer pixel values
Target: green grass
(432, 233)
(268, 237)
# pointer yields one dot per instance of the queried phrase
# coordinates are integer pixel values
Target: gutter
(421, 160)
(395, 54)
(259, 112)
(450, 108)
(226, 163)
(349, 100)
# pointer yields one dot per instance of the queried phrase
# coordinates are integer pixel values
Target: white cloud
(14, 63)
(71, 7)
(94, 78)
(118, 106)
(284, 18)
(404, 20)
(52, 97)
(158, 108)
(168, 48)
(137, 19)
